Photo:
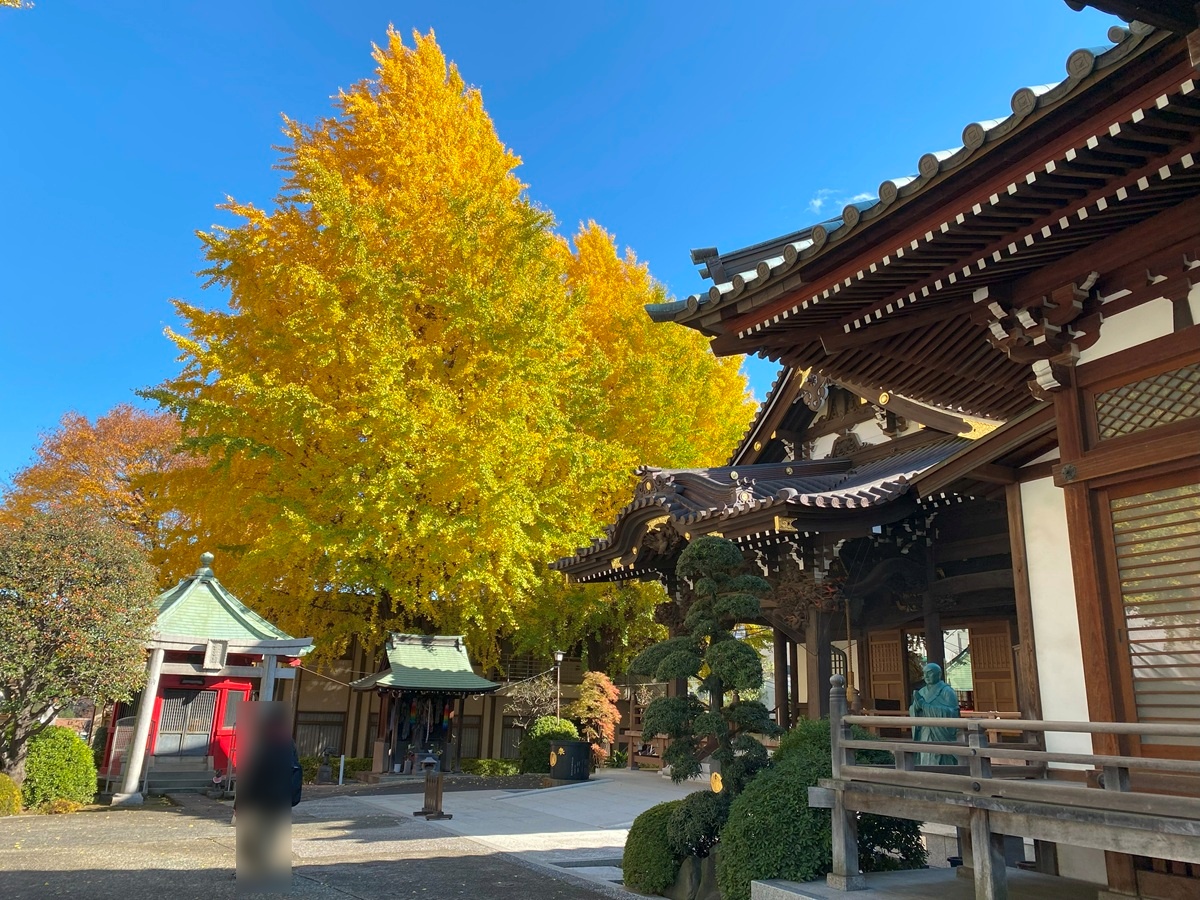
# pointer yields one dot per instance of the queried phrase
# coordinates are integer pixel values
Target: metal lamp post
(558, 658)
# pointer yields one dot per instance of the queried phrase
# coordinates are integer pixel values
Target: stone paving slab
(340, 850)
(922, 884)
(581, 827)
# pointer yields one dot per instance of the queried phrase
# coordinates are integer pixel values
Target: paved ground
(343, 848)
(579, 828)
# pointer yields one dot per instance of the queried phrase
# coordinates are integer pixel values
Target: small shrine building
(208, 654)
(427, 677)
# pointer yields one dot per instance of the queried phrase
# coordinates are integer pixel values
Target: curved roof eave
(762, 264)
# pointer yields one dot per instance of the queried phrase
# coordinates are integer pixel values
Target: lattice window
(837, 661)
(1158, 400)
(470, 737)
(317, 732)
(510, 738)
(1157, 536)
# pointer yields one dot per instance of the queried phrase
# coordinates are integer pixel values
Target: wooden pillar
(991, 878)
(794, 680)
(458, 736)
(129, 795)
(379, 738)
(487, 717)
(1029, 692)
(819, 657)
(783, 705)
(863, 675)
(394, 736)
(935, 645)
(845, 875)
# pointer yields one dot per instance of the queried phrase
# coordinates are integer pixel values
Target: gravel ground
(184, 849)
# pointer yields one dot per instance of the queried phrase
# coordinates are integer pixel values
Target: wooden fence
(1125, 804)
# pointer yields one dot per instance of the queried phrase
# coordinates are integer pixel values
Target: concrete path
(342, 849)
(578, 828)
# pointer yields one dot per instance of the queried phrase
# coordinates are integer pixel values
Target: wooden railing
(1014, 789)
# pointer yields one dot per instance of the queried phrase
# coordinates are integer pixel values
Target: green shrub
(491, 768)
(813, 735)
(696, 823)
(354, 765)
(534, 751)
(649, 864)
(618, 759)
(772, 833)
(59, 766)
(10, 796)
(309, 765)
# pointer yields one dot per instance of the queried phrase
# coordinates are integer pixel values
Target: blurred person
(268, 786)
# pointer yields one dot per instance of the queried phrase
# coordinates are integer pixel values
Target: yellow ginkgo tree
(417, 394)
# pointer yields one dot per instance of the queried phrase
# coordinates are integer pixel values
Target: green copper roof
(199, 606)
(433, 663)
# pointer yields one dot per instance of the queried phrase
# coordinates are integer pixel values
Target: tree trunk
(15, 769)
(600, 646)
(19, 733)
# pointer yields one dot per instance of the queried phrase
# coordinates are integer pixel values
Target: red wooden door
(230, 697)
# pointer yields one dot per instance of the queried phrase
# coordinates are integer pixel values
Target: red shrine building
(209, 653)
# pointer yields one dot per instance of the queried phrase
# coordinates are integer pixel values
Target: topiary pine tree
(723, 596)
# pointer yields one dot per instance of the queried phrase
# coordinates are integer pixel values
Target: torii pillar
(129, 795)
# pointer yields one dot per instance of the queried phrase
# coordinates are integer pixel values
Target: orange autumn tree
(401, 406)
(111, 469)
(597, 713)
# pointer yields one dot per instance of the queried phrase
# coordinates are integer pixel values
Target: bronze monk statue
(935, 700)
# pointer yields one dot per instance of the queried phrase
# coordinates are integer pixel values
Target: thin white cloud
(834, 199)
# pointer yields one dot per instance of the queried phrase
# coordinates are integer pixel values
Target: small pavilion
(425, 678)
(207, 654)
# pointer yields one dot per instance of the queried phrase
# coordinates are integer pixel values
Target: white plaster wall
(1082, 864)
(1048, 456)
(1059, 650)
(1055, 617)
(1137, 326)
(868, 432)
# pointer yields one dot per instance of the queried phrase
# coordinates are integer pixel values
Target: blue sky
(674, 125)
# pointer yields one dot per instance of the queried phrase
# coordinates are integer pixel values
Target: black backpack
(297, 777)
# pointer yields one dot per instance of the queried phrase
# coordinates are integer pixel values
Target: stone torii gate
(208, 640)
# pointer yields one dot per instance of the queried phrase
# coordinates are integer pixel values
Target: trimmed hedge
(10, 796)
(491, 768)
(649, 864)
(696, 823)
(59, 766)
(354, 765)
(772, 832)
(534, 751)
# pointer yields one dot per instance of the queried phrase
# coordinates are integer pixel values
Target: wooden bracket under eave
(1193, 40)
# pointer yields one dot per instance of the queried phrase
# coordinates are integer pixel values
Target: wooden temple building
(985, 439)
(423, 693)
(209, 653)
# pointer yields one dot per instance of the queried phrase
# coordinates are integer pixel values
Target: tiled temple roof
(422, 663)
(706, 500)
